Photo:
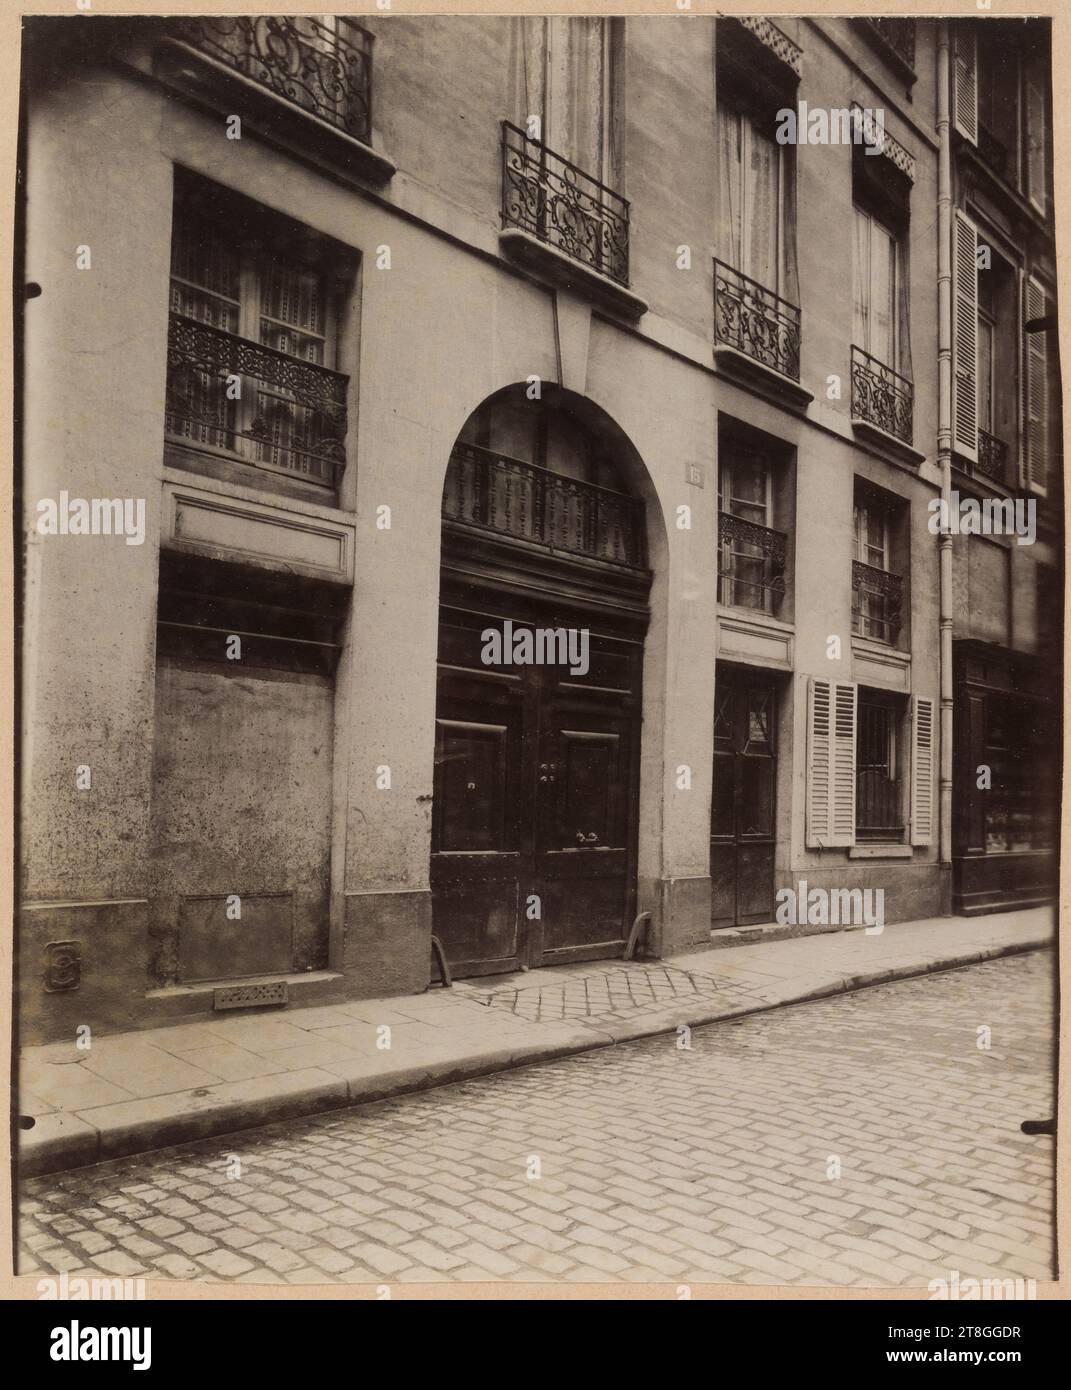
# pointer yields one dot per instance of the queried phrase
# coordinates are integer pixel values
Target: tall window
(987, 327)
(876, 589)
(751, 562)
(752, 176)
(879, 798)
(564, 74)
(875, 289)
(253, 288)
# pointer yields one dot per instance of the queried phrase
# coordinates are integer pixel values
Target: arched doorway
(543, 611)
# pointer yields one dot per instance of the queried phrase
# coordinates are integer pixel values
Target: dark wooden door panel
(477, 864)
(536, 787)
(742, 825)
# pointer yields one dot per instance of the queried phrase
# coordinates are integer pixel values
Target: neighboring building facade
(1005, 444)
(566, 343)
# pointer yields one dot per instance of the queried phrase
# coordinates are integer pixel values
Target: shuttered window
(923, 741)
(965, 81)
(831, 724)
(1036, 390)
(965, 338)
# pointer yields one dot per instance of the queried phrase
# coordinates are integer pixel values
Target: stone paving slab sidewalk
(137, 1091)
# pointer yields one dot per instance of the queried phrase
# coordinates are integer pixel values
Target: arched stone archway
(544, 592)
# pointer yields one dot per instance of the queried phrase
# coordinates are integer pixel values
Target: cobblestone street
(867, 1139)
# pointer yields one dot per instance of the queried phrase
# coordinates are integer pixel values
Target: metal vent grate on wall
(250, 996)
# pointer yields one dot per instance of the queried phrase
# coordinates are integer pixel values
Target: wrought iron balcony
(290, 416)
(755, 321)
(323, 68)
(556, 202)
(751, 564)
(877, 603)
(529, 503)
(992, 151)
(899, 35)
(992, 456)
(881, 396)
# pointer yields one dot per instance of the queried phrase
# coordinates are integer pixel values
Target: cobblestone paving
(614, 993)
(656, 1162)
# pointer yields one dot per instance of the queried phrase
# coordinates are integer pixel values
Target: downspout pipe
(944, 425)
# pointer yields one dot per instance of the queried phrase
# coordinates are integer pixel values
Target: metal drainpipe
(944, 422)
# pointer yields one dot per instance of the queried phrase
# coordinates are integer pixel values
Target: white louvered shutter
(965, 338)
(1035, 391)
(923, 743)
(965, 81)
(1034, 84)
(831, 720)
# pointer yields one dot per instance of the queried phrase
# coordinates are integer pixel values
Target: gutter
(944, 425)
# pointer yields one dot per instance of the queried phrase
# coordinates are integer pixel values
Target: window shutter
(819, 761)
(922, 751)
(965, 81)
(1036, 391)
(831, 718)
(1036, 135)
(965, 338)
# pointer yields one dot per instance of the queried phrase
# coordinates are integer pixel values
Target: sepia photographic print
(539, 571)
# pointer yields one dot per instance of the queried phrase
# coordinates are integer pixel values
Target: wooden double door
(742, 827)
(536, 796)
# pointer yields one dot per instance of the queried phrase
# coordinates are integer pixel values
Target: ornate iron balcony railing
(751, 564)
(992, 456)
(326, 69)
(881, 396)
(993, 151)
(529, 503)
(899, 35)
(552, 199)
(877, 602)
(289, 416)
(756, 321)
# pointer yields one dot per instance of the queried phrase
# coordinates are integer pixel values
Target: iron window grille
(879, 800)
(751, 568)
(877, 603)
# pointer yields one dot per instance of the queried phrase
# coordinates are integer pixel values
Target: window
(565, 74)
(752, 555)
(878, 565)
(752, 179)
(987, 325)
(1002, 71)
(865, 750)
(875, 289)
(879, 798)
(253, 340)
(1019, 803)
(744, 483)
(999, 114)
(1036, 79)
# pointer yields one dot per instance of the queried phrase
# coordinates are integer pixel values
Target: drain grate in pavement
(611, 991)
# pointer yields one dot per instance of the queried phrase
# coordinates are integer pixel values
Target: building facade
(535, 434)
(1005, 444)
